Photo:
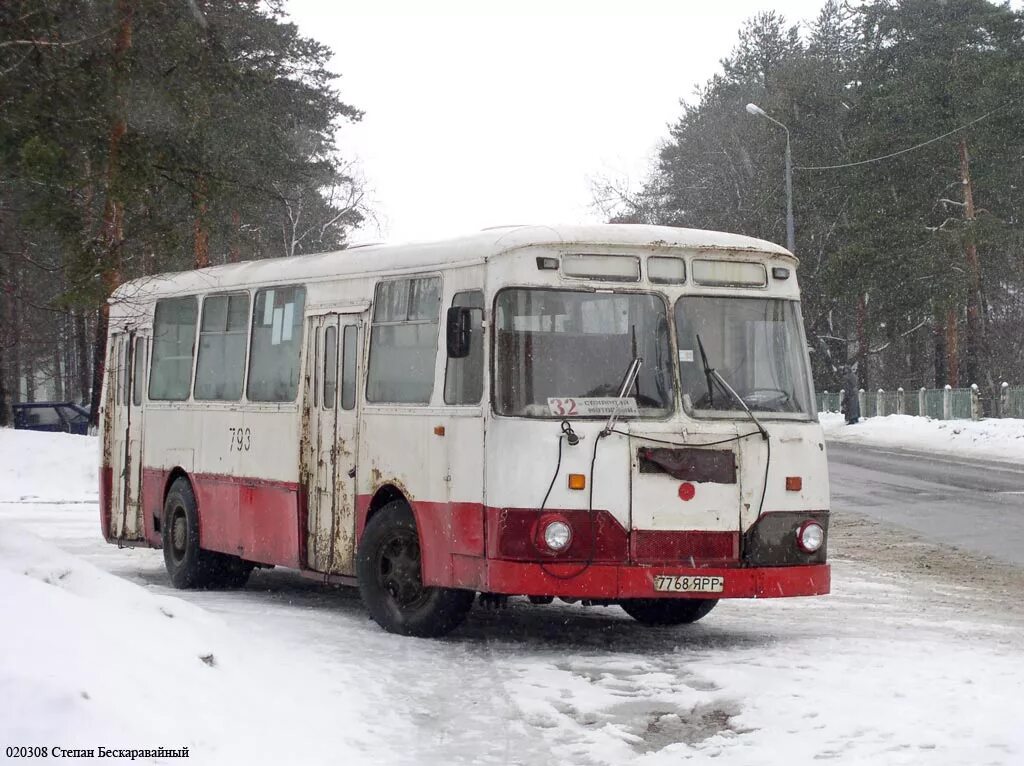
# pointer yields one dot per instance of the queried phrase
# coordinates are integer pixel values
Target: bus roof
(417, 256)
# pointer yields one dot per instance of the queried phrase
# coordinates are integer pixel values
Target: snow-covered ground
(993, 439)
(97, 650)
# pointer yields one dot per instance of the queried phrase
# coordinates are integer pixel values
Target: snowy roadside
(911, 660)
(993, 439)
(90, 659)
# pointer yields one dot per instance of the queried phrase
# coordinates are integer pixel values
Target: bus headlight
(557, 535)
(810, 536)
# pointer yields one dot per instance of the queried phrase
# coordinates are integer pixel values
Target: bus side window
(348, 367)
(174, 336)
(220, 368)
(121, 370)
(330, 366)
(403, 341)
(464, 378)
(139, 373)
(276, 341)
(126, 380)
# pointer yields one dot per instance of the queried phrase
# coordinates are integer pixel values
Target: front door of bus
(329, 460)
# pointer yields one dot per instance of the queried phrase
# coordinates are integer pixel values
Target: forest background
(144, 136)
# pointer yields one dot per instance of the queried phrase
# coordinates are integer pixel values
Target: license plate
(688, 584)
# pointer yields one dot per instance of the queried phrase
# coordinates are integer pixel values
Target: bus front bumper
(621, 581)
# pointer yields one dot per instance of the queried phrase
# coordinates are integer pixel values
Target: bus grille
(689, 548)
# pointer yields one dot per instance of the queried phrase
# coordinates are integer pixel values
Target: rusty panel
(689, 464)
(308, 448)
(107, 494)
(327, 458)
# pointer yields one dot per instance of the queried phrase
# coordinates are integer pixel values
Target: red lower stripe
(468, 545)
(106, 499)
(255, 519)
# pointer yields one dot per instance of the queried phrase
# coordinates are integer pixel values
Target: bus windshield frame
(756, 343)
(579, 343)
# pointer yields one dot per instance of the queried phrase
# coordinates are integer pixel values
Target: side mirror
(459, 331)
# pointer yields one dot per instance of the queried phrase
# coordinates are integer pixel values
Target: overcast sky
(489, 113)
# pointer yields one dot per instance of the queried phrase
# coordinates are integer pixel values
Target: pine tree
(896, 273)
(140, 136)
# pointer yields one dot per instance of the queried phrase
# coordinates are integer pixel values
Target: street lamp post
(757, 111)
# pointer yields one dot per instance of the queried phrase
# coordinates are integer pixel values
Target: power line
(911, 148)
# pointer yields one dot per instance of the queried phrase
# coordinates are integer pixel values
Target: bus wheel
(667, 611)
(188, 565)
(390, 579)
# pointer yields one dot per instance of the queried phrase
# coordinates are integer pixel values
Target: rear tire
(390, 579)
(188, 565)
(667, 611)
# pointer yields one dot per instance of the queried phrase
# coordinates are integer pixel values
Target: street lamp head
(755, 110)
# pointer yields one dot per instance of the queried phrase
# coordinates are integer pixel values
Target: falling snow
(895, 667)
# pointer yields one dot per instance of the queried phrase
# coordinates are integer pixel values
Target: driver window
(464, 378)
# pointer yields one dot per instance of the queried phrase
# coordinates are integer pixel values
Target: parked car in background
(66, 417)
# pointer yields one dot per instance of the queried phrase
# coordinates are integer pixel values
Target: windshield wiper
(627, 383)
(709, 374)
(712, 374)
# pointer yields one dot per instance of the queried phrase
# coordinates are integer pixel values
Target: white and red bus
(616, 414)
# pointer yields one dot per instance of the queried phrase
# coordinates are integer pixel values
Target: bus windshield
(572, 344)
(756, 344)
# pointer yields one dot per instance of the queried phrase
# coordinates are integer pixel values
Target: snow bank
(998, 439)
(37, 466)
(88, 659)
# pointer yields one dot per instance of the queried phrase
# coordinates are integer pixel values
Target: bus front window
(756, 344)
(573, 344)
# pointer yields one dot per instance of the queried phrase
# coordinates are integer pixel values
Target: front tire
(188, 565)
(390, 579)
(667, 611)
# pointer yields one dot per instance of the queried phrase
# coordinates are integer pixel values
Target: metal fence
(960, 404)
(933, 401)
(912, 405)
(1011, 402)
(938, 403)
(829, 402)
(868, 403)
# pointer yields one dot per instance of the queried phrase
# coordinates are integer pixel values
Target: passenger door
(128, 376)
(330, 426)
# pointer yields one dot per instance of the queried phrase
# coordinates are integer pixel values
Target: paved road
(971, 504)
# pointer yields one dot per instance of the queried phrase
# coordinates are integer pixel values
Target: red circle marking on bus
(687, 491)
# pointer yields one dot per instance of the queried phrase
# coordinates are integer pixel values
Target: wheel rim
(179, 534)
(398, 569)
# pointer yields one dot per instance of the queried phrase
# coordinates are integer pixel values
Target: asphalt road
(970, 504)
